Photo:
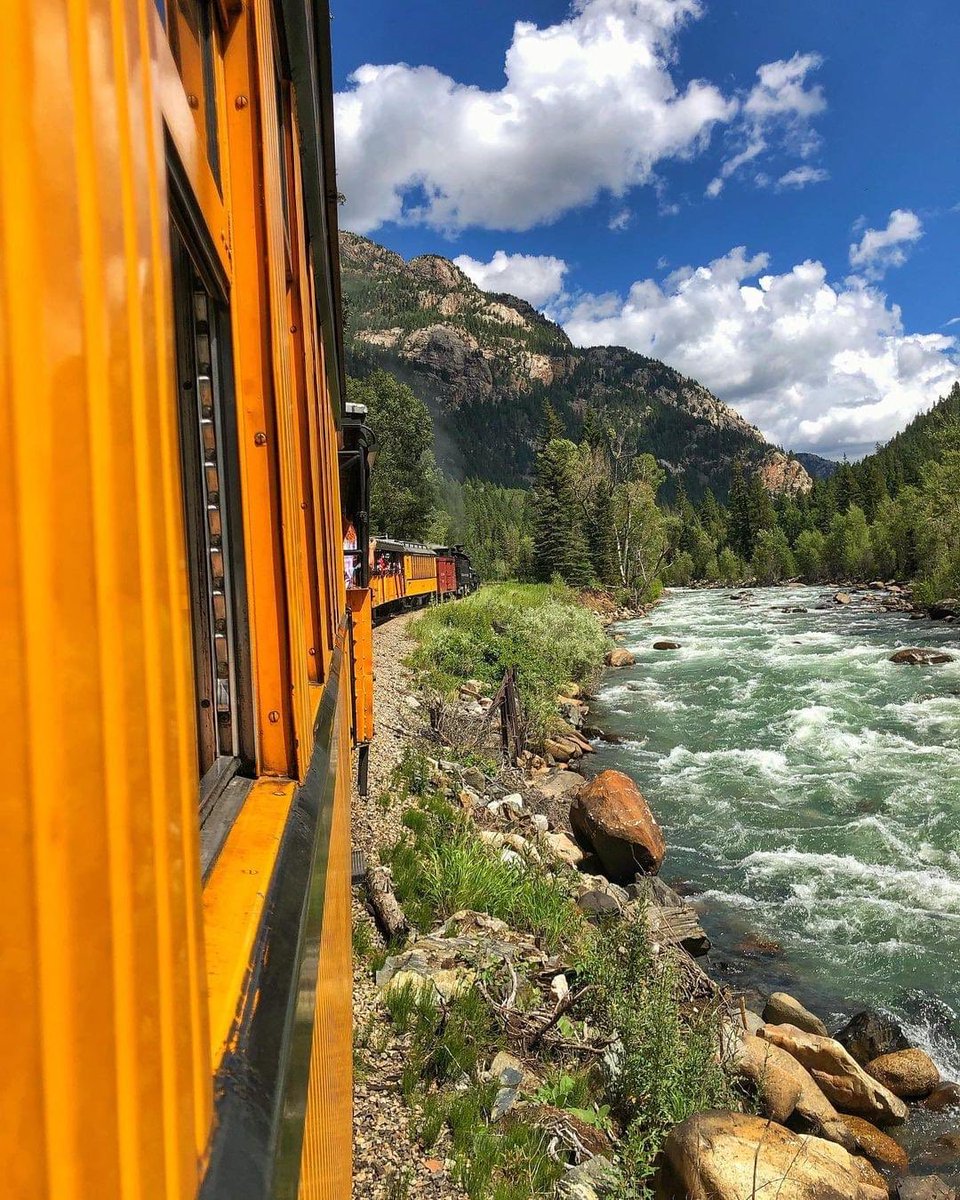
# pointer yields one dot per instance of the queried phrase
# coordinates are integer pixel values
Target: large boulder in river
(910, 1074)
(915, 656)
(869, 1033)
(619, 658)
(729, 1156)
(611, 817)
(783, 1009)
(840, 1077)
(666, 645)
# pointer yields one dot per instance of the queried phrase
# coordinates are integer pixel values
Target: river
(809, 791)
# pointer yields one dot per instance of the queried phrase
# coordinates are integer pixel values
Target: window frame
(190, 244)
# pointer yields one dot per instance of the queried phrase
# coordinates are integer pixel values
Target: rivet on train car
(273, 716)
(241, 102)
(312, 651)
(193, 101)
(293, 328)
(260, 439)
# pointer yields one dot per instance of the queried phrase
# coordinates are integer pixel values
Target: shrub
(540, 630)
(667, 1066)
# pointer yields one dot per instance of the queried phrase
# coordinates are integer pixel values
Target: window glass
(210, 479)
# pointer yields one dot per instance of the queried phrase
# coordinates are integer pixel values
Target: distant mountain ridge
(815, 466)
(486, 364)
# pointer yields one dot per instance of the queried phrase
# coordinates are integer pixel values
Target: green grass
(440, 867)
(540, 629)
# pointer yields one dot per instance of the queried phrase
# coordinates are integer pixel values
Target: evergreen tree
(760, 514)
(553, 429)
(739, 533)
(592, 433)
(601, 538)
(559, 547)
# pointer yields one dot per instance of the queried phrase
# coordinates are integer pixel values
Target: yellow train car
(179, 654)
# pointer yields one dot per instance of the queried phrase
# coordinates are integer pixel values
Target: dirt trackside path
(388, 1163)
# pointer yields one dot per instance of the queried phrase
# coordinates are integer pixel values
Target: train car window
(212, 519)
(190, 32)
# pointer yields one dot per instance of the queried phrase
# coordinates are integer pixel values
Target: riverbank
(510, 816)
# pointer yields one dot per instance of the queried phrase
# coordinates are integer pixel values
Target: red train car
(446, 576)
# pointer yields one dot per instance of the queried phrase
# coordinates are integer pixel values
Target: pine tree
(592, 433)
(601, 538)
(560, 547)
(739, 533)
(759, 507)
(553, 429)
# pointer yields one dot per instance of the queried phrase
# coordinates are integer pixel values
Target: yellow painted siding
(327, 1156)
(102, 956)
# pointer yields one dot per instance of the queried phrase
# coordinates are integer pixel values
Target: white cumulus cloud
(880, 249)
(816, 365)
(589, 105)
(534, 277)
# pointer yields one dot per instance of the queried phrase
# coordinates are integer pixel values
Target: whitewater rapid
(809, 790)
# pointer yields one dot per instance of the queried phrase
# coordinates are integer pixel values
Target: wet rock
(944, 1152)
(909, 1074)
(944, 1097)
(842, 1080)
(916, 656)
(666, 645)
(869, 1034)
(842, 598)
(611, 817)
(619, 658)
(783, 1009)
(878, 1146)
(927, 1187)
(727, 1156)
(944, 609)
(755, 946)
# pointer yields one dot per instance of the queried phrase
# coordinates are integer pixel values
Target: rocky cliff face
(486, 364)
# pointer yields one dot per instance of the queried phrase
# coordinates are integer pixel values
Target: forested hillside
(486, 365)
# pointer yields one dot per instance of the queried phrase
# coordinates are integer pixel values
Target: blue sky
(586, 156)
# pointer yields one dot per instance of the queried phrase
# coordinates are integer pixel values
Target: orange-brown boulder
(910, 1074)
(878, 1146)
(619, 658)
(611, 817)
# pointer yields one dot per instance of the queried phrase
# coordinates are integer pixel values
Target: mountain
(486, 364)
(815, 466)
